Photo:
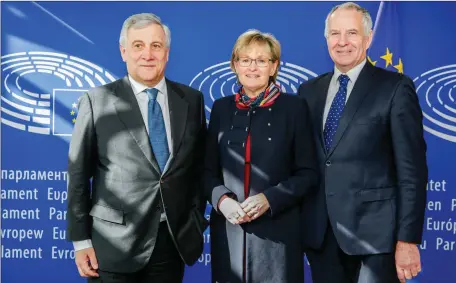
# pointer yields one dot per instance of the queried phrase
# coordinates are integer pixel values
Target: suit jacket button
(158, 207)
(328, 163)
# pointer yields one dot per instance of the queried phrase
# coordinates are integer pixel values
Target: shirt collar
(353, 73)
(139, 87)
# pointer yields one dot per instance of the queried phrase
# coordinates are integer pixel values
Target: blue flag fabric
(385, 50)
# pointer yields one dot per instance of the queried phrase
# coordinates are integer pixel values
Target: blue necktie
(335, 112)
(157, 130)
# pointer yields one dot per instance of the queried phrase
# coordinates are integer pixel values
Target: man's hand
(232, 211)
(408, 263)
(87, 263)
(255, 206)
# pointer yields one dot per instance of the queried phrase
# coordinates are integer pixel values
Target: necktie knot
(343, 80)
(152, 93)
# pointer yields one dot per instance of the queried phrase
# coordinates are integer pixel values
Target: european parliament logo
(40, 90)
(437, 89)
(219, 81)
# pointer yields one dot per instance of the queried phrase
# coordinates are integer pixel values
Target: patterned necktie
(157, 130)
(335, 112)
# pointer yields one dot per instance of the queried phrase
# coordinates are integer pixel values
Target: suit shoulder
(224, 101)
(393, 77)
(106, 88)
(288, 98)
(222, 106)
(187, 90)
(292, 102)
(308, 88)
(112, 85)
(316, 80)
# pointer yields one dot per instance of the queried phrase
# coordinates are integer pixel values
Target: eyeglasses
(260, 62)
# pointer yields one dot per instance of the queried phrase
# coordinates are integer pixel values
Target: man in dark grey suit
(135, 211)
(365, 222)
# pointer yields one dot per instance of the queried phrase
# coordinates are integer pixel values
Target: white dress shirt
(162, 98)
(334, 86)
(139, 90)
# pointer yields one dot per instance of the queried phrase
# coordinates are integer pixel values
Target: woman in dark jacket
(260, 163)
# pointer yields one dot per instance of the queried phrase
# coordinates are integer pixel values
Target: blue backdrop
(54, 51)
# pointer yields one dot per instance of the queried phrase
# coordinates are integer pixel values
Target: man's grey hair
(143, 20)
(367, 20)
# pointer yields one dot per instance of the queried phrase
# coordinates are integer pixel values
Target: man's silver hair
(367, 20)
(140, 21)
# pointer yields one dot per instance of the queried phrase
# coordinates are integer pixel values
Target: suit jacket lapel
(178, 108)
(129, 113)
(362, 85)
(321, 102)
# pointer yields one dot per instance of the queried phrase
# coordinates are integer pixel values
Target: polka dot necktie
(157, 130)
(335, 112)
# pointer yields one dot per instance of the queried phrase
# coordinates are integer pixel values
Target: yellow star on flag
(74, 120)
(388, 57)
(399, 67)
(370, 61)
(72, 112)
(74, 105)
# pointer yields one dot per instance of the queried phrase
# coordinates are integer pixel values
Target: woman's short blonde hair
(253, 36)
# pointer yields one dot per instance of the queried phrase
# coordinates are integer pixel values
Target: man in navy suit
(365, 221)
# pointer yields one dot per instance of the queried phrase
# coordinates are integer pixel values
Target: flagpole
(377, 19)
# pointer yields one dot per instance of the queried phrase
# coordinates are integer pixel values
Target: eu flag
(65, 110)
(385, 50)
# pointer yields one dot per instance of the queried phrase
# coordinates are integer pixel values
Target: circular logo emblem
(40, 90)
(437, 89)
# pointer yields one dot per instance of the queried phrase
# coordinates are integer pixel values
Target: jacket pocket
(377, 194)
(107, 213)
